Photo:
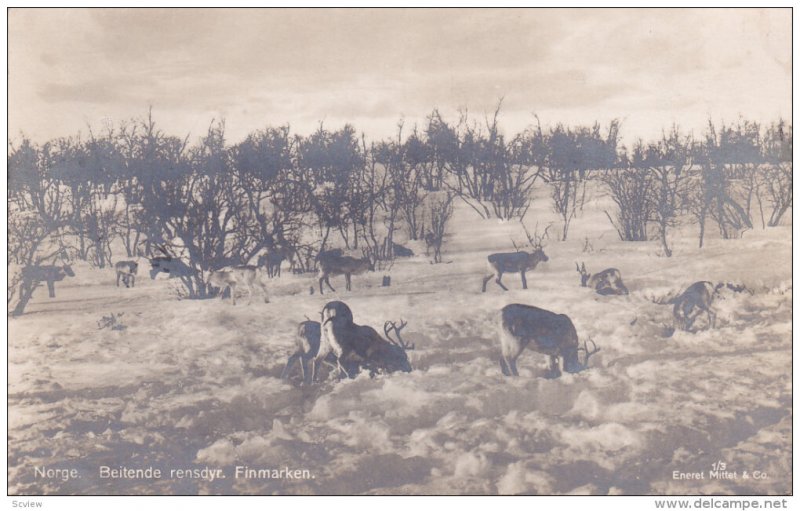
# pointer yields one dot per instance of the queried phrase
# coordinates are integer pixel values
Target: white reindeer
(126, 270)
(695, 300)
(607, 282)
(247, 276)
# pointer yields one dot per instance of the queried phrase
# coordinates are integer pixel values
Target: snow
(182, 384)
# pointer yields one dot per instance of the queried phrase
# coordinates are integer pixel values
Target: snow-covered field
(176, 384)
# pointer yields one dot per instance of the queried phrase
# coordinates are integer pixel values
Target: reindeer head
(67, 269)
(572, 361)
(537, 244)
(337, 313)
(369, 256)
(396, 358)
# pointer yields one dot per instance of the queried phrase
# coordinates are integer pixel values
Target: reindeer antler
(390, 326)
(535, 240)
(588, 353)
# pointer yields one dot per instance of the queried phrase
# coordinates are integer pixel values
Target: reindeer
(51, 273)
(247, 276)
(516, 262)
(273, 259)
(430, 242)
(168, 264)
(356, 346)
(307, 344)
(400, 251)
(334, 253)
(544, 331)
(607, 282)
(342, 265)
(695, 300)
(126, 270)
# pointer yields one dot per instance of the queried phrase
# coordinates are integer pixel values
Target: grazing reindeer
(607, 282)
(126, 270)
(247, 276)
(695, 300)
(49, 273)
(355, 346)
(544, 331)
(342, 265)
(516, 262)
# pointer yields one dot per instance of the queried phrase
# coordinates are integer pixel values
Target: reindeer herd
(348, 348)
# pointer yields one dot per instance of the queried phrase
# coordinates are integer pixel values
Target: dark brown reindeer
(274, 258)
(50, 273)
(359, 346)
(607, 282)
(168, 264)
(332, 265)
(516, 262)
(543, 331)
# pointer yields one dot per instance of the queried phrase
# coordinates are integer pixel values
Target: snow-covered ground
(176, 384)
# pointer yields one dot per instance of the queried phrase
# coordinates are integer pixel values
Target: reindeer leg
(232, 287)
(486, 281)
(304, 367)
(320, 285)
(118, 275)
(499, 282)
(341, 368)
(51, 288)
(327, 281)
(289, 363)
(347, 281)
(512, 364)
(712, 318)
(314, 364)
(504, 366)
(524, 281)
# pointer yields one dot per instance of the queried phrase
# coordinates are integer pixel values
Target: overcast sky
(72, 68)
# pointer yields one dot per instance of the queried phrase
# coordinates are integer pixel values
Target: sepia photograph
(401, 251)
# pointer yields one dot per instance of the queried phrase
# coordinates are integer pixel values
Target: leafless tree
(713, 195)
(38, 213)
(572, 154)
(632, 191)
(778, 170)
(439, 210)
(652, 188)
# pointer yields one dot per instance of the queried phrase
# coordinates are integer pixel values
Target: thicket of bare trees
(721, 179)
(212, 204)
